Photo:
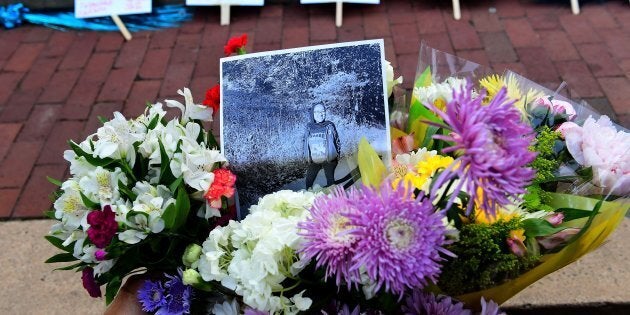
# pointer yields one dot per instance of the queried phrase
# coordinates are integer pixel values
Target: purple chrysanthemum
(251, 311)
(327, 236)
(421, 303)
(490, 308)
(177, 298)
(399, 238)
(152, 296)
(493, 142)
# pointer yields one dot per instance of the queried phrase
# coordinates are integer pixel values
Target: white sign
(344, 1)
(228, 2)
(98, 8)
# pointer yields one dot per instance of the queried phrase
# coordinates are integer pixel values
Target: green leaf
(70, 267)
(370, 165)
(539, 227)
(50, 214)
(63, 257)
(53, 181)
(572, 213)
(126, 191)
(169, 216)
(183, 207)
(153, 123)
(102, 119)
(57, 242)
(589, 222)
(211, 142)
(165, 171)
(89, 203)
(428, 137)
(92, 160)
(424, 79)
(112, 288)
(173, 186)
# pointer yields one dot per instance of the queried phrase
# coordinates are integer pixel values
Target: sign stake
(225, 14)
(121, 26)
(339, 14)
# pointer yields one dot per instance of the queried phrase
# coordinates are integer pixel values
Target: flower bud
(191, 254)
(100, 254)
(555, 218)
(515, 243)
(193, 278)
(557, 239)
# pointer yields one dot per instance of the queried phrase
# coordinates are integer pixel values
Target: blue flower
(151, 296)
(177, 298)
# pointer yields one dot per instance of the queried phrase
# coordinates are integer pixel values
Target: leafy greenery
(546, 162)
(483, 258)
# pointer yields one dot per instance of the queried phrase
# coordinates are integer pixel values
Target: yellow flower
(494, 83)
(518, 234)
(420, 174)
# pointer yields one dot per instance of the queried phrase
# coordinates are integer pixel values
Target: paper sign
(344, 1)
(98, 8)
(230, 2)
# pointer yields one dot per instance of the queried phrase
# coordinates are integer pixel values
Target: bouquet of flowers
(495, 182)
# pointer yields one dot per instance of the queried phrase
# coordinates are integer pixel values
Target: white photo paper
(98, 8)
(293, 119)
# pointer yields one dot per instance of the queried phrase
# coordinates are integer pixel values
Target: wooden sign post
(225, 6)
(339, 6)
(113, 8)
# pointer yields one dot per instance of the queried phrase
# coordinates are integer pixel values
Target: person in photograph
(321, 147)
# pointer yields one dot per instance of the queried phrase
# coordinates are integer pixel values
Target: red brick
(579, 78)
(322, 28)
(141, 93)
(352, 15)
(8, 197)
(617, 41)
(188, 40)
(295, 16)
(79, 52)
(104, 110)
(406, 38)
(154, 64)
(438, 41)
(243, 19)
(24, 57)
(80, 101)
(599, 60)
(19, 106)
(57, 141)
(37, 34)
(39, 75)
(118, 83)
(269, 31)
(271, 11)
(98, 67)
(186, 49)
(401, 16)
(199, 86)
(214, 36)
(509, 8)
(624, 64)
(178, 77)
(477, 56)
(59, 44)
(513, 66)
(17, 165)
(132, 53)
(293, 37)
(8, 132)
(347, 33)
(8, 47)
(579, 31)
(617, 90)
(390, 53)
(558, 46)
(539, 67)
(430, 21)
(208, 65)
(521, 33)
(484, 21)
(463, 35)
(40, 122)
(164, 38)
(498, 47)
(60, 86)
(36, 197)
(375, 25)
(8, 82)
(111, 41)
(546, 22)
(193, 27)
(407, 68)
(598, 17)
(266, 47)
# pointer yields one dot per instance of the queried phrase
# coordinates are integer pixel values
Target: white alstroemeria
(301, 303)
(78, 238)
(391, 82)
(438, 94)
(191, 111)
(152, 111)
(116, 138)
(69, 207)
(197, 164)
(89, 254)
(103, 266)
(140, 225)
(101, 185)
(79, 166)
(229, 307)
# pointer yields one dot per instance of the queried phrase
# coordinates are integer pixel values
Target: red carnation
(223, 185)
(89, 283)
(213, 98)
(236, 45)
(103, 226)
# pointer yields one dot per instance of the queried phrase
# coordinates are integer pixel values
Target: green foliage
(536, 199)
(483, 258)
(546, 162)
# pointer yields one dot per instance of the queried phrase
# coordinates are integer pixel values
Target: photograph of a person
(293, 119)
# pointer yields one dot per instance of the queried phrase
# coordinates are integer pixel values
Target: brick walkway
(54, 85)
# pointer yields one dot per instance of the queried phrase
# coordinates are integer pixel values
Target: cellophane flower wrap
(140, 190)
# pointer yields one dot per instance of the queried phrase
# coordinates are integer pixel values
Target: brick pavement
(54, 84)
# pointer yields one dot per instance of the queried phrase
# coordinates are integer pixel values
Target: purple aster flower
(490, 308)
(421, 303)
(328, 238)
(251, 311)
(493, 147)
(177, 298)
(399, 239)
(151, 296)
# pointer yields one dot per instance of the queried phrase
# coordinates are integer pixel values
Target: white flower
(79, 166)
(116, 138)
(389, 74)
(150, 113)
(69, 207)
(599, 145)
(413, 158)
(226, 308)
(196, 164)
(438, 92)
(300, 302)
(101, 185)
(192, 110)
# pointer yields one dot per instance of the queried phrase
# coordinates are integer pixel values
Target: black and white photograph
(293, 119)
